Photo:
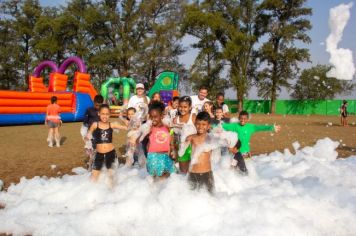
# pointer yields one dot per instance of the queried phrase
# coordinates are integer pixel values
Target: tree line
(240, 43)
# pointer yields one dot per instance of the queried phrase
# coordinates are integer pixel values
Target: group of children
(162, 128)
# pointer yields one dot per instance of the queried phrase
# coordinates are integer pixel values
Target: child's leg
(57, 136)
(240, 162)
(184, 166)
(164, 176)
(50, 137)
(95, 175)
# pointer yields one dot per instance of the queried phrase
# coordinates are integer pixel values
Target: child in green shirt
(245, 130)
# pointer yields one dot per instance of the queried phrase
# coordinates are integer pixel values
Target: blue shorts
(159, 163)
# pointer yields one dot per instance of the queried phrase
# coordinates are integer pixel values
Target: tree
(314, 84)
(228, 29)
(283, 23)
(8, 57)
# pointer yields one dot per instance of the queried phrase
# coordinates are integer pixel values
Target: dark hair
(131, 109)
(203, 87)
(220, 94)
(238, 144)
(155, 105)
(155, 94)
(102, 106)
(176, 98)
(204, 116)
(98, 99)
(344, 101)
(186, 99)
(53, 99)
(243, 113)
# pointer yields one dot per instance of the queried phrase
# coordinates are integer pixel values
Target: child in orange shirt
(53, 120)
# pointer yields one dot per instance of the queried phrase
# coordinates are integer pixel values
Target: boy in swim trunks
(200, 174)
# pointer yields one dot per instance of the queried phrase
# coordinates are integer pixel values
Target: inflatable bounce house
(166, 85)
(29, 107)
(118, 86)
(118, 90)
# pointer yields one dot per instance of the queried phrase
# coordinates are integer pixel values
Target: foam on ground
(306, 193)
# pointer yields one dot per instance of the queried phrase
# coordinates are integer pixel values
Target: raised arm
(116, 125)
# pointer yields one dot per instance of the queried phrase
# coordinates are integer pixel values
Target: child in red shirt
(53, 120)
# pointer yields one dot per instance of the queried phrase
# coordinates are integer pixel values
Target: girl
(102, 134)
(53, 120)
(185, 117)
(156, 97)
(208, 107)
(160, 145)
(172, 108)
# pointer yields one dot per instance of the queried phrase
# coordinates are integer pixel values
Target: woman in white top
(140, 98)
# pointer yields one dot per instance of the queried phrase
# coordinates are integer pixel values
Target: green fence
(294, 107)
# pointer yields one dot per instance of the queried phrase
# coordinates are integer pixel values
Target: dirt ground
(24, 151)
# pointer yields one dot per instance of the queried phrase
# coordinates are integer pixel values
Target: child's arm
(230, 126)
(172, 148)
(261, 128)
(116, 125)
(90, 131)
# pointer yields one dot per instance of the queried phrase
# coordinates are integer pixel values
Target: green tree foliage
(9, 75)
(283, 23)
(313, 84)
(227, 33)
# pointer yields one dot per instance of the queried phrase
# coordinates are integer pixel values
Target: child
(53, 120)
(160, 145)
(172, 109)
(101, 132)
(245, 131)
(343, 113)
(201, 174)
(238, 160)
(185, 117)
(208, 107)
(91, 116)
(219, 117)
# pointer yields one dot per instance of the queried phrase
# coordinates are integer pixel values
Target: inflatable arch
(117, 83)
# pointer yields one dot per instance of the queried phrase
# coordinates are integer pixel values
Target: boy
(219, 117)
(200, 174)
(91, 116)
(245, 130)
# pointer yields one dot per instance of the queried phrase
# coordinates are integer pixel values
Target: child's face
(97, 105)
(140, 92)
(243, 119)
(156, 97)
(207, 107)
(175, 104)
(156, 117)
(202, 126)
(130, 114)
(184, 108)
(220, 99)
(219, 114)
(104, 115)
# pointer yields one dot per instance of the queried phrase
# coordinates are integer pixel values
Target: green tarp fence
(294, 107)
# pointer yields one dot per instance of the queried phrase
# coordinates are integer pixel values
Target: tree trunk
(240, 100)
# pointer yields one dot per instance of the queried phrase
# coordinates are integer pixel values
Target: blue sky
(318, 34)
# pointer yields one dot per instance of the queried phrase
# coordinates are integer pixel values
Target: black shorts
(100, 158)
(202, 180)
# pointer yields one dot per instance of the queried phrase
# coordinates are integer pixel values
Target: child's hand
(277, 128)
(173, 155)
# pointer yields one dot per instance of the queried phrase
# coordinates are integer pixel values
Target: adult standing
(199, 100)
(139, 100)
(220, 103)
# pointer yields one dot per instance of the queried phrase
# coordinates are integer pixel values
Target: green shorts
(187, 154)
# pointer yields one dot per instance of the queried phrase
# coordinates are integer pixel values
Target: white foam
(307, 193)
(340, 58)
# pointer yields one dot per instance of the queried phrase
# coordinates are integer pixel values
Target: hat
(140, 85)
